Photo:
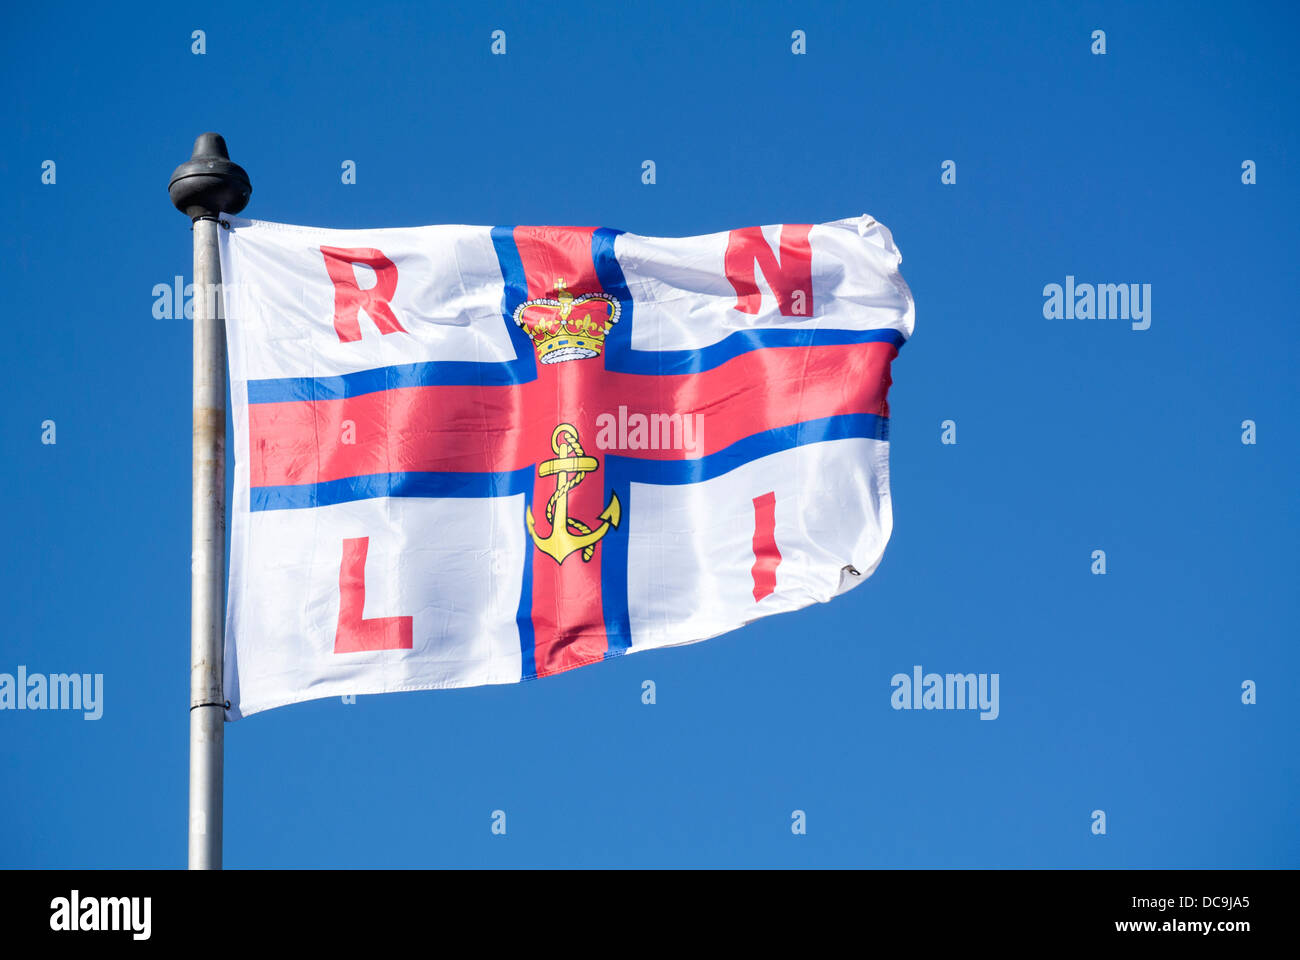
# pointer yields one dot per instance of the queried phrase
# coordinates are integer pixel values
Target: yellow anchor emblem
(567, 534)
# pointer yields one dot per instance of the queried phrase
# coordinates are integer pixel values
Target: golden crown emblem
(566, 327)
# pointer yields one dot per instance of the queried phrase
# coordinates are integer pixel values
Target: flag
(473, 455)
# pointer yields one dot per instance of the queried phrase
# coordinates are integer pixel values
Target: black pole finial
(209, 184)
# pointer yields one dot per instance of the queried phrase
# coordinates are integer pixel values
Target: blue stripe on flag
(516, 292)
(524, 615)
(447, 373)
(613, 569)
(374, 485)
(665, 472)
(623, 359)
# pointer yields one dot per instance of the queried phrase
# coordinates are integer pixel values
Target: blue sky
(1119, 692)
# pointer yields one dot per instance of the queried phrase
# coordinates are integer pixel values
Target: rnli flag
(472, 455)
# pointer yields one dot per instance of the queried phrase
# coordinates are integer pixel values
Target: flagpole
(204, 188)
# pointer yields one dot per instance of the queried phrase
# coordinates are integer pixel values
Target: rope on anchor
(569, 447)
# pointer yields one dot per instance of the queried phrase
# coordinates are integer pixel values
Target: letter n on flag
(472, 455)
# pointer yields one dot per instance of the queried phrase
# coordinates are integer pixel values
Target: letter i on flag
(472, 455)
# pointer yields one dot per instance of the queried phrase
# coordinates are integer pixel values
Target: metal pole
(205, 187)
